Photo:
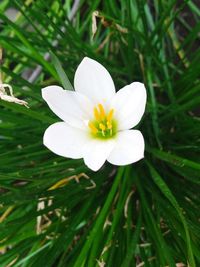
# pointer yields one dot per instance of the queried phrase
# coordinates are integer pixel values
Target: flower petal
(129, 105)
(129, 148)
(94, 81)
(72, 107)
(96, 152)
(65, 140)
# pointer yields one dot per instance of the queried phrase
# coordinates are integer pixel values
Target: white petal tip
(48, 90)
(92, 167)
(86, 58)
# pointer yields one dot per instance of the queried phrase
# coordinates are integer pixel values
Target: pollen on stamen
(109, 125)
(110, 115)
(96, 114)
(102, 111)
(102, 126)
(93, 128)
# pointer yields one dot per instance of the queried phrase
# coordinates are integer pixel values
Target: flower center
(103, 125)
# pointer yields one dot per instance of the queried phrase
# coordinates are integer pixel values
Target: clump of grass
(56, 212)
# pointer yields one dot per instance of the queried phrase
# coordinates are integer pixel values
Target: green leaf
(61, 73)
(166, 191)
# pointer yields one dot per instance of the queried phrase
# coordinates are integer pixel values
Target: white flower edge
(94, 81)
(72, 139)
(94, 152)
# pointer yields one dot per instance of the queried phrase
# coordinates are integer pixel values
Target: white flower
(96, 120)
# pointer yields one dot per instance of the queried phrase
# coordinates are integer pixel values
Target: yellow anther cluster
(102, 125)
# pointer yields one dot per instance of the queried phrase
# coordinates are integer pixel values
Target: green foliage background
(146, 214)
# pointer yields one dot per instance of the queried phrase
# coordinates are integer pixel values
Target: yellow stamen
(110, 115)
(93, 128)
(96, 114)
(109, 125)
(102, 111)
(102, 126)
